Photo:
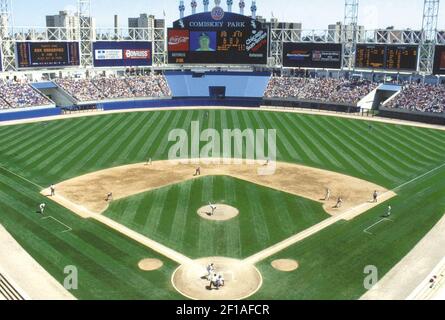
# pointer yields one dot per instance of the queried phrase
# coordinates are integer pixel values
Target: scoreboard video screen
(387, 57)
(312, 55)
(47, 54)
(439, 60)
(217, 37)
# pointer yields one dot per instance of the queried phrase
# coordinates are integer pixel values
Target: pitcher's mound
(286, 265)
(150, 264)
(241, 280)
(221, 212)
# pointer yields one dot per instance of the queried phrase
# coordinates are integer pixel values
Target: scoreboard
(387, 57)
(47, 54)
(312, 55)
(217, 37)
(439, 60)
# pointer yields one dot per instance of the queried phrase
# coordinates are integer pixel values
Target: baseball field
(354, 156)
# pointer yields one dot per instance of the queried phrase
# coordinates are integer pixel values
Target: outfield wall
(29, 114)
(425, 117)
(228, 102)
(313, 105)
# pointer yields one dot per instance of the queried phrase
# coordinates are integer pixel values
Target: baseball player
(339, 203)
(109, 197)
(210, 271)
(213, 208)
(214, 281)
(328, 194)
(220, 280)
(42, 208)
(388, 213)
(53, 190)
(375, 196)
(148, 162)
(197, 171)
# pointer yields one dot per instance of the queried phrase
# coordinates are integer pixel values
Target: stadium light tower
(253, 8)
(85, 32)
(181, 9)
(229, 5)
(242, 5)
(206, 5)
(6, 43)
(429, 36)
(194, 5)
(349, 33)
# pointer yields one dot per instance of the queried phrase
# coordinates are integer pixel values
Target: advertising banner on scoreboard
(47, 54)
(312, 55)
(439, 60)
(217, 37)
(122, 54)
(387, 57)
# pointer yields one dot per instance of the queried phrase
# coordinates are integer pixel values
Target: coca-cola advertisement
(178, 40)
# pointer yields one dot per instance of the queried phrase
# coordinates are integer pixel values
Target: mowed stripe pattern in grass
(55, 151)
(169, 215)
(105, 260)
(331, 262)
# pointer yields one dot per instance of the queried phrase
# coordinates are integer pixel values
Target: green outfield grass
(169, 216)
(331, 262)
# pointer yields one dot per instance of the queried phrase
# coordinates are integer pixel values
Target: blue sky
(314, 14)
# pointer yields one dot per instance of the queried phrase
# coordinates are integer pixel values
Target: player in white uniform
(210, 271)
(213, 208)
(388, 214)
(42, 208)
(328, 194)
(53, 190)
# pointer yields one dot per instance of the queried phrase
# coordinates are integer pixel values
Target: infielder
(339, 203)
(109, 197)
(197, 171)
(328, 194)
(53, 190)
(375, 196)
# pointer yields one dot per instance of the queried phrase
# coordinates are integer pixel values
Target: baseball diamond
(227, 155)
(66, 151)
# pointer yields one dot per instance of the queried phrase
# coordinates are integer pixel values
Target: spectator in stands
(420, 97)
(20, 95)
(101, 88)
(319, 89)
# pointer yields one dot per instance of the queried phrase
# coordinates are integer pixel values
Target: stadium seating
(15, 95)
(110, 88)
(319, 89)
(420, 97)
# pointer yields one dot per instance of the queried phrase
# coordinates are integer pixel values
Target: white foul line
(68, 228)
